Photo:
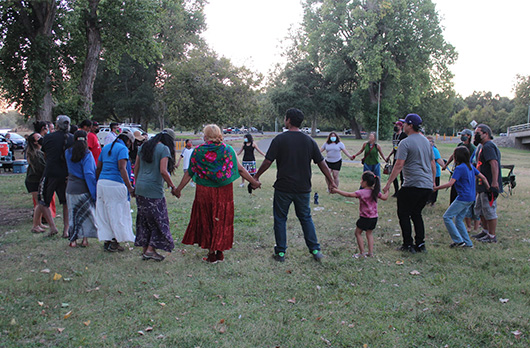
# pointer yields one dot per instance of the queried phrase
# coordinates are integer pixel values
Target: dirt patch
(14, 216)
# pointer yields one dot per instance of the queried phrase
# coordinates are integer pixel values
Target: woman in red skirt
(213, 167)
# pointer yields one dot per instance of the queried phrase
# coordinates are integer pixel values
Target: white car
(105, 130)
(307, 130)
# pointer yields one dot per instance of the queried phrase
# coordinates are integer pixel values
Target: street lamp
(379, 107)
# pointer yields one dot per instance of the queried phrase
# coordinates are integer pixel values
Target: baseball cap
(398, 123)
(467, 132)
(170, 132)
(412, 119)
(63, 122)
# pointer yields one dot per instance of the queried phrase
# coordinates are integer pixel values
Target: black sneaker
(317, 255)
(455, 245)
(106, 246)
(407, 248)
(488, 239)
(467, 246)
(280, 257)
(421, 248)
(482, 234)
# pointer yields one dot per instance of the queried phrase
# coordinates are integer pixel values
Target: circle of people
(95, 185)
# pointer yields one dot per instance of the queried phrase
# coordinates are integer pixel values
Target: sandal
(358, 256)
(52, 233)
(34, 230)
(73, 245)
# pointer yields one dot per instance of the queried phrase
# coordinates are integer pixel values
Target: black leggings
(410, 203)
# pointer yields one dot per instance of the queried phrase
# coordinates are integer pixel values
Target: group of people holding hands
(95, 185)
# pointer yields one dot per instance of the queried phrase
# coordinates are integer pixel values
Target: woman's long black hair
(373, 181)
(148, 149)
(123, 137)
(80, 147)
(250, 140)
(462, 155)
(32, 148)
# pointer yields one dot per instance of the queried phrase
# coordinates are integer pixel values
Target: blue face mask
(333, 138)
(245, 140)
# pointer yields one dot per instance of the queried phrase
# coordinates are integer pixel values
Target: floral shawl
(213, 165)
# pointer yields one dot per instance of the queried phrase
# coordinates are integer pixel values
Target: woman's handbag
(388, 169)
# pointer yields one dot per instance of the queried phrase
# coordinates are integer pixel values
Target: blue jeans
(281, 204)
(374, 168)
(458, 210)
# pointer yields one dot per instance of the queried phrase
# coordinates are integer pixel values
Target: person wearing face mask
(465, 140)
(489, 164)
(249, 160)
(333, 146)
(396, 139)
(113, 134)
(113, 209)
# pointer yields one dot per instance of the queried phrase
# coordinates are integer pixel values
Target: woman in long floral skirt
(213, 167)
(154, 164)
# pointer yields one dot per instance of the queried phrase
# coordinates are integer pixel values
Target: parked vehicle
(307, 130)
(19, 142)
(104, 130)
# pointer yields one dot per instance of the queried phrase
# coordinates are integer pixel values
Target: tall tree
(207, 89)
(364, 44)
(30, 38)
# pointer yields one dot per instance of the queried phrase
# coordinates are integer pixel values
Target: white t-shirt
(186, 155)
(333, 151)
(109, 138)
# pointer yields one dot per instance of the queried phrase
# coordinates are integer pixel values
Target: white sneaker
(242, 184)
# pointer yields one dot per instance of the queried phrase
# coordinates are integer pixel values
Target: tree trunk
(90, 68)
(355, 127)
(45, 12)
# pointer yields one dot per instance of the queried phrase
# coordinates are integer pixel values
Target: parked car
(307, 130)
(503, 134)
(347, 131)
(105, 130)
(19, 142)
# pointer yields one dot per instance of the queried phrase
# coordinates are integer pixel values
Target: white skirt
(113, 212)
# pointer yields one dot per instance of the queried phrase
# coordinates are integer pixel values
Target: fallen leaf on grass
(57, 276)
(149, 328)
(291, 300)
(40, 303)
(141, 333)
(222, 321)
(160, 337)
(13, 321)
(414, 272)
(177, 297)
(46, 270)
(60, 329)
(399, 262)
(156, 296)
(67, 315)
(86, 322)
(64, 304)
(162, 304)
(319, 287)
(95, 289)
(365, 345)
(504, 300)
(19, 279)
(517, 334)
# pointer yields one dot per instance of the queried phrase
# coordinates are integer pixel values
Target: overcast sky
(488, 35)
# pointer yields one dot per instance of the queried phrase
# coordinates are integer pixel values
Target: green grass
(247, 301)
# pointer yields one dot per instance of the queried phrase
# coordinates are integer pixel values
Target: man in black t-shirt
(293, 152)
(56, 171)
(489, 164)
(396, 139)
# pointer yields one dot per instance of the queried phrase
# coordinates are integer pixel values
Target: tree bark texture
(39, 29)
(90, 68)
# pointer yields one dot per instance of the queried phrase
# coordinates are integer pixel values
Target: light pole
(379, 107)
(528, 113)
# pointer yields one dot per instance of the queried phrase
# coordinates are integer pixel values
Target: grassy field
(118, 300)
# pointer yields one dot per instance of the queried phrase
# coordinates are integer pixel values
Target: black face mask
(478, 139)
(464, 138)
(396, 129)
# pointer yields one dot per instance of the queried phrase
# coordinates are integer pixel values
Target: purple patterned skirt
(152, 224)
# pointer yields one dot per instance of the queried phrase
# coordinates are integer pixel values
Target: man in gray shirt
(416, 159)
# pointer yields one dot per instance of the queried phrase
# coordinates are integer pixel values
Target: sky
(488, 36)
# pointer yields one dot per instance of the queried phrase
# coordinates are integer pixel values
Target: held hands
(131, 191)
(352, 157)
(334, 190)
(175, 192)
(255, 185)
(386, 189)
